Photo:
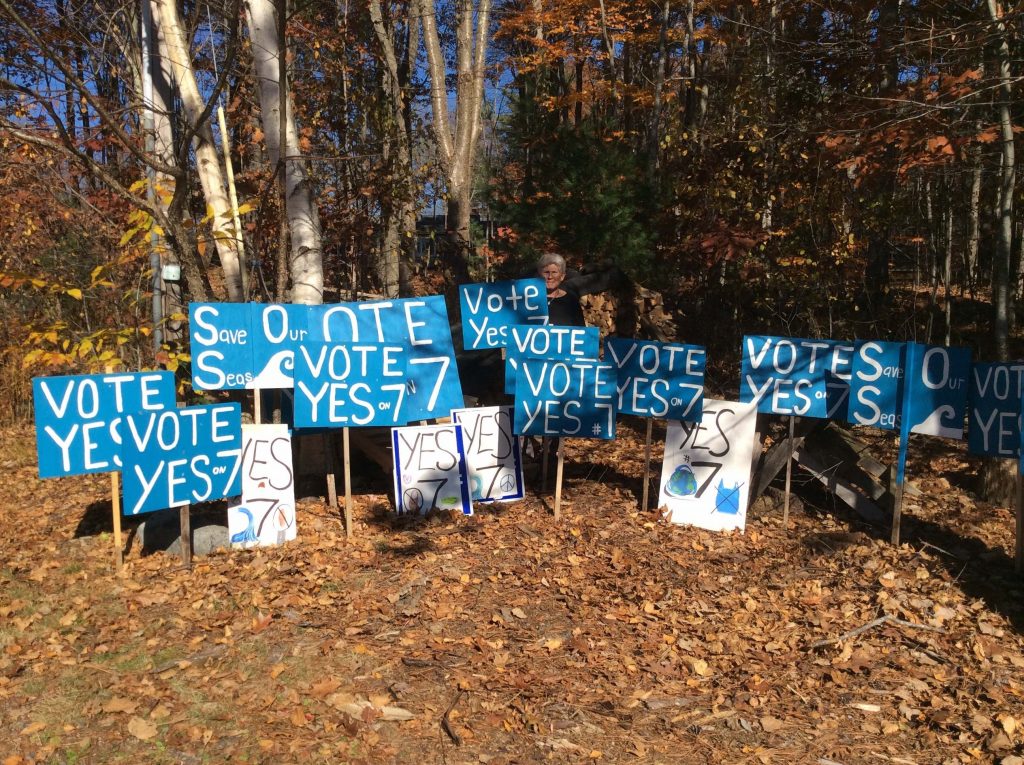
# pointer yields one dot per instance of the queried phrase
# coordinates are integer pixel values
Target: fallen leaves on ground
(608, 637)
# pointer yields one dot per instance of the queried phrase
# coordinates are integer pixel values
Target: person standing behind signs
(564, 307)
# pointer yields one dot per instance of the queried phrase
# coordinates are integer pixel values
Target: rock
(161, 532)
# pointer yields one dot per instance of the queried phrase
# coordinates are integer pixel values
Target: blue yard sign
(239, 346)
(181, 456)
(565, 398)
(993, 409)
(222, 345)
(421, 327)
(937, 390)
(548, 342)
(876, 385)
(663, 380)
(489, 309)
(349, 384)
(784, 376)
(80, 418)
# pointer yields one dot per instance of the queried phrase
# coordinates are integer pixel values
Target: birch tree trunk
(457, 148)
(169, 32)
(398, 204)
(306, 263)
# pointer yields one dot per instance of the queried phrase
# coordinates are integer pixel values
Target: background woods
(843, 169)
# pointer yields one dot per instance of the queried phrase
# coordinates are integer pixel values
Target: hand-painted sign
(420, 326)
(245, 345)
(792, 376)
(80, 418)
(994, 407)
(876, 386)
(265, 513)
(430, 469)
(180, 456)
(705, 478)
(664, 380)
(489, 309)
(565, 398)
(937, 389)
(492, 453)
(548, 342)
(349, 384)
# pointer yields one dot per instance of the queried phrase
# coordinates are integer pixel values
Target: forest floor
(509, 638)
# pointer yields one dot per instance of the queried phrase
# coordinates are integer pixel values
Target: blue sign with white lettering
(937, 387)
(663, 380)
(993, 409)
(876, 385)
(349, 385)
(784, 375)
(489, 309)
(421, 327)
(181, 456)
(548, 342)
(222, 345)
(80, 418)
(565, 398)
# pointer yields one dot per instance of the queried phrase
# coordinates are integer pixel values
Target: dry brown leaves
(608, 637)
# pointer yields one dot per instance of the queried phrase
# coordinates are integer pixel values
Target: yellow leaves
(74, 292)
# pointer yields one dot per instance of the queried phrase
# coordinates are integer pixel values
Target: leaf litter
(506, 637)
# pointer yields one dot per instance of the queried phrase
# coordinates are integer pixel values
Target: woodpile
(632, 311)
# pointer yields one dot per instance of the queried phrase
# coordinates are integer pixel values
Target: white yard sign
(430, 469)
(492, 453)
(265, 514)
(705, 478)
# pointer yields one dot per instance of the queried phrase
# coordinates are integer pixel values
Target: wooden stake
(186, 535)
(558, 480)
(1018, 554)
(647, 466)
(115, 505)
(348, 482)
(257, 407)
(789, 473)
(544, 452)
(897, 492)
(332, 489)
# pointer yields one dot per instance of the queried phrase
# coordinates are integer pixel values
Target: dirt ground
(509, 638)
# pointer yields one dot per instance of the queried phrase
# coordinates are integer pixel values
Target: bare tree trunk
(169, 32)
(398, 213)
(305, 255)
(997, 484)
(973, 222)
(457, 150)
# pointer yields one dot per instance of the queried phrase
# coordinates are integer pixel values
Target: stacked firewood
(631, 312)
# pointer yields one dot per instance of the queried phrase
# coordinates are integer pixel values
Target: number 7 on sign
(443, 361)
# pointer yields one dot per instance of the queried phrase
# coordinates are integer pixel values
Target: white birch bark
(211, 178)
(306, 265)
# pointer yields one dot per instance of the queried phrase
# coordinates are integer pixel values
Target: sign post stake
(789, 474)
(332, 489)
(545, 451)
(257, 407)
(1018, 554)
(558, 480)
(348, 483)
(115, 506)
(647, 465)
(897, 489)
(186, 535)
